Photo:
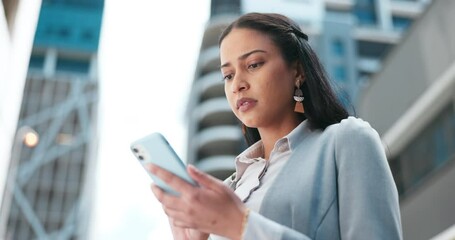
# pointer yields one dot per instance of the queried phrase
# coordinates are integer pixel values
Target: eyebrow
(243, 56)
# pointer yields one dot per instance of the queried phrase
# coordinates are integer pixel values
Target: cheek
(280, 92)
(279, 86)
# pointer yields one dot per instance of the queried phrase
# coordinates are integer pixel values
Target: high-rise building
(350, 36)
(411, 103)
(49, 186)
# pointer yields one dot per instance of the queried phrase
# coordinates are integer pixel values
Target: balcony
(221, 140)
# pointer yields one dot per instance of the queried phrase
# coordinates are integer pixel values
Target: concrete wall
(430, 210)
(426, 51)
(418, 80)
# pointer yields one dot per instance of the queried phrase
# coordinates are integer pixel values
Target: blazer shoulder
(352, 127)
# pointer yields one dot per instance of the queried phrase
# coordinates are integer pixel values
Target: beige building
(411, 102)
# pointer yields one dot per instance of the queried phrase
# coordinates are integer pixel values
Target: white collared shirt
(250, 184)
(250, 164)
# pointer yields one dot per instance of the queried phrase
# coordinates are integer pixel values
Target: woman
(310, 172)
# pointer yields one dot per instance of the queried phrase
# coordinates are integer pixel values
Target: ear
(299, 73)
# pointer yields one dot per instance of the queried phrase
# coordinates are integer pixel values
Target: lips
(244, 104)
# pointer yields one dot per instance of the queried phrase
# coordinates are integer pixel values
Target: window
(340, 73)
(219, 7)
(400, 23)
(73, 65)
(431, 149)
(36, 62)
(338, 48)
(365, 11)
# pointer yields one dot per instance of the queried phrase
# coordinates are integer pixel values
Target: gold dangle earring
(298, 97)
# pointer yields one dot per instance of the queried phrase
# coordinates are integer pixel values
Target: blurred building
(350, 36)
(17, 28)
(411, 102)
(49, 186)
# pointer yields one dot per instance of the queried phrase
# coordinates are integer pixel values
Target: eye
(255, 65)
(228, 77)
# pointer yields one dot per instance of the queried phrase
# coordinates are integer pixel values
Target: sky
(147, 58)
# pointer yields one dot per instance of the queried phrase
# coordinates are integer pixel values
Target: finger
(204, 179)
(182, 224)
(172, 213)
(158, 192)
(178, 233)
(175, 214)
(167, 200)
(170, 179)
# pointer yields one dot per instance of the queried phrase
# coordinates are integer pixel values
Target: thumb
(204, 179)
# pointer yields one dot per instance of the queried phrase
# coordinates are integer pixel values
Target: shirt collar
(256, 151)
(297, 134)
(253, 152)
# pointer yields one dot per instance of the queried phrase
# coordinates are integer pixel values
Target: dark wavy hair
(322, 107)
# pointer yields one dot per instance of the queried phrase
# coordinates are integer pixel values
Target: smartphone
(154, 148)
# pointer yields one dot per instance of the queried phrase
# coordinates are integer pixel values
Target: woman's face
(259, 84)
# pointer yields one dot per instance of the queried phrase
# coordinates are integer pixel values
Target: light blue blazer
(337, 184)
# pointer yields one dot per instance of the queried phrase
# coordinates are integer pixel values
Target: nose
(239, 84)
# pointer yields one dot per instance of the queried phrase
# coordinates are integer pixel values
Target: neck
(270, 136)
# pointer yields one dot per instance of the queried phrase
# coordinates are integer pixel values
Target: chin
(250, 121)
(250, 124)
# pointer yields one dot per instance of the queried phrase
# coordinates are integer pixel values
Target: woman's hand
(210, 208)
(187, 233)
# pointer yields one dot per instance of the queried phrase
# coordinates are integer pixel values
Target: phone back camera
(141, 157)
